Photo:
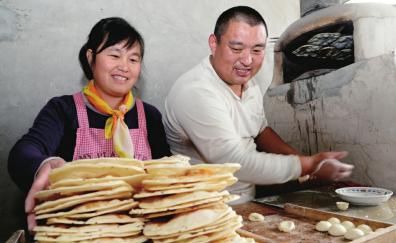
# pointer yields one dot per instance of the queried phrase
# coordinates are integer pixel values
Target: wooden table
(305, 219)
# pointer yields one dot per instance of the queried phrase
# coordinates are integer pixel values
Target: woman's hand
(40, 183)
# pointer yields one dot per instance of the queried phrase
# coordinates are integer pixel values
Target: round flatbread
(177, 199)
(92, 209)
(51, 206)
(87, 171)
(185, 222)
(162, 180)
(102, 219)
(60, 192)
(108, 160)
(133, 180)
(219, 186)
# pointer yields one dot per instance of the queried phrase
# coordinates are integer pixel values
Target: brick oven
(334, 87)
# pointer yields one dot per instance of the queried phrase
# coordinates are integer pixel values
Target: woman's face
(116, 69)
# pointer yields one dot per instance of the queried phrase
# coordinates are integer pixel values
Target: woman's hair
(240, 13)
(105, 33)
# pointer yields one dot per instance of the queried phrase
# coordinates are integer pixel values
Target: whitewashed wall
(39, 44)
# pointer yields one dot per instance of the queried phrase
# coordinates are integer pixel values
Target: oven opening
(318, 52)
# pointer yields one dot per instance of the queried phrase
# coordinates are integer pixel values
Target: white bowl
(364, 195)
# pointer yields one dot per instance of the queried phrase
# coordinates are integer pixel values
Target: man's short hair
(240, 13)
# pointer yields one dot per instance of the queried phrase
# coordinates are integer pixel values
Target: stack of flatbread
(89, 201)
(204, 225)
(126, 200)
(187, 203)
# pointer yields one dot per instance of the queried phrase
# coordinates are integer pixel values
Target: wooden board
(305, 220)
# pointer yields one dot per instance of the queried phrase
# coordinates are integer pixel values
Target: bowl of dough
(367, 196)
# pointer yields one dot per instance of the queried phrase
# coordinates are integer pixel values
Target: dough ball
(323, 226)
(286, 226)
(337, 230)
(348, 224)
(353, 233)
(342, 205)
(256, 217)
(334, 220)
(365, 228)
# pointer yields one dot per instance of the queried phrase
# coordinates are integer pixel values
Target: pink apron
(91, 142)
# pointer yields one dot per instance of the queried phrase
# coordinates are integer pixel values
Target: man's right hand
(325, 166)
(332, 169)
(40, 183)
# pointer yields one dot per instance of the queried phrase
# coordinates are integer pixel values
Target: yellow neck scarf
(115, 126)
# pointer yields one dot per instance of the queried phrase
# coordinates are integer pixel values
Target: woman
(103, 120)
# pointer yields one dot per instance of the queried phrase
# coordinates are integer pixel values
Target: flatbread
(121, 208)
(141, 211)
(225, 199)
(102, 219)
(229, 220)
(206, 238)
(174, 159)
(234, 238)
(229, 181)
(168, 169)
(87, 171)
(199, 169)
(229, 217)
(45, 195)
(135, 239)
(176, 199)
(51, 206)
(161, 180)
(187, 221)
(182, 210)
(91, 229)
(93, 209)
(109, 218)
(108, 160)
(193, 204)
(196, 235)
(80, 237)
(201, 187)
(132, 239)
(133, 180)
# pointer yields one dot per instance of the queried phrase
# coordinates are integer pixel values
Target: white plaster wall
(379, 31)
(39, 44)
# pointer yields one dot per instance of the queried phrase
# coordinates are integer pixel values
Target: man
(214, 113)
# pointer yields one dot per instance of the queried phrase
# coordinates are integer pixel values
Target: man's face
(238, 56)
